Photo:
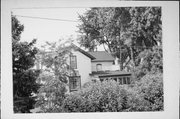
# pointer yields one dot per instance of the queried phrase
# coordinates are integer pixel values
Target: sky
(49, 30)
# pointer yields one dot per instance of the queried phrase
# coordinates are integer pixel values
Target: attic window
(99, 67)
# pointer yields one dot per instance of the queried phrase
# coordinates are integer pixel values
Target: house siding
(83, 66)
(105, 66)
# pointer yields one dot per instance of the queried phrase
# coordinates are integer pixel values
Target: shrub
(147, 94)
(107, 96)
(151, 60)
(51, 94)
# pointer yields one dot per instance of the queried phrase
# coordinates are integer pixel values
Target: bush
(150, 61)
(51, 94)
(147, 94)
(107, 96)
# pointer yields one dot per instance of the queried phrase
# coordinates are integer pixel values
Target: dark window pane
(128, 80)
(115, 79)
(124, 80)
(120, 81)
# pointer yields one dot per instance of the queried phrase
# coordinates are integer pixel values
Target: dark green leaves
(24, 78)
(133, 28)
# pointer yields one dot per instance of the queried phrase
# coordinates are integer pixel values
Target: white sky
(49, 30)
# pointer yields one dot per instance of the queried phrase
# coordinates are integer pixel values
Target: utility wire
(48, 7)
(46, 18)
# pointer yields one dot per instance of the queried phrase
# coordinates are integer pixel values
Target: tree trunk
(120, 59)
(132, 57)
(120, 50)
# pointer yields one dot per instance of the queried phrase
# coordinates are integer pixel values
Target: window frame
(97, 67)
(75, 66)
(77, 80)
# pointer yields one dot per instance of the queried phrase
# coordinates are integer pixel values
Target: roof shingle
(102, 56)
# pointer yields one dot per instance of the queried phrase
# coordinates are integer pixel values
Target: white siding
(105, 66)
(83, 66)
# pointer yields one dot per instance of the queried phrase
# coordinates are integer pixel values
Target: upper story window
(73, 61)
(99, 67)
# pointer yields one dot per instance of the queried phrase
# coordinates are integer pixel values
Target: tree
(104, 26)
(53, 57)
(54, 76)
(144, 31)
(51, 94)
(24, 78)
(126, 31)
(151, 61)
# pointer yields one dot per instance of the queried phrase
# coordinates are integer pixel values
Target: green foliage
(53, 76)
(145, 25)
(103, 26)
(23, 56)
(150, 61)
(24, 78)
(17, 29)
(97, 97)
(109, 96)
(54, 58)
(147, 94)
(51, 94)
(126, 31)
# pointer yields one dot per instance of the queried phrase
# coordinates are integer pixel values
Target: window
(120, 81)
(73, 62)
(74, 83)
(99, 67)
(128, 80)
(124, 80)
(115, 79)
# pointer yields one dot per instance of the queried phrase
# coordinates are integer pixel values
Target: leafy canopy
(24, 78)
(123, 31)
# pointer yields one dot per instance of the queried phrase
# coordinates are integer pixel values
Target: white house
(93, 66)
(103, 62)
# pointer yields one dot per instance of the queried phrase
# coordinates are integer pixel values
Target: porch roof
(101, 74)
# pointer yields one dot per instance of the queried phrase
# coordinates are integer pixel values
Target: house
(93, 66)
(106, 67)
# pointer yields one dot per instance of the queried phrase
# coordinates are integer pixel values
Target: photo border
(170, 35)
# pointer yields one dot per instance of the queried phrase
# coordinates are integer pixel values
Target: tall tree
(144, 31)
(126, 31)
(24, 78)
(53, 57)
(105, 26)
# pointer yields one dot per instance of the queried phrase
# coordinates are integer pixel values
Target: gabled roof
(82, 51)
(102, 56)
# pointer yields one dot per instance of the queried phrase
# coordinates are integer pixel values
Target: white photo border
(171, 65)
